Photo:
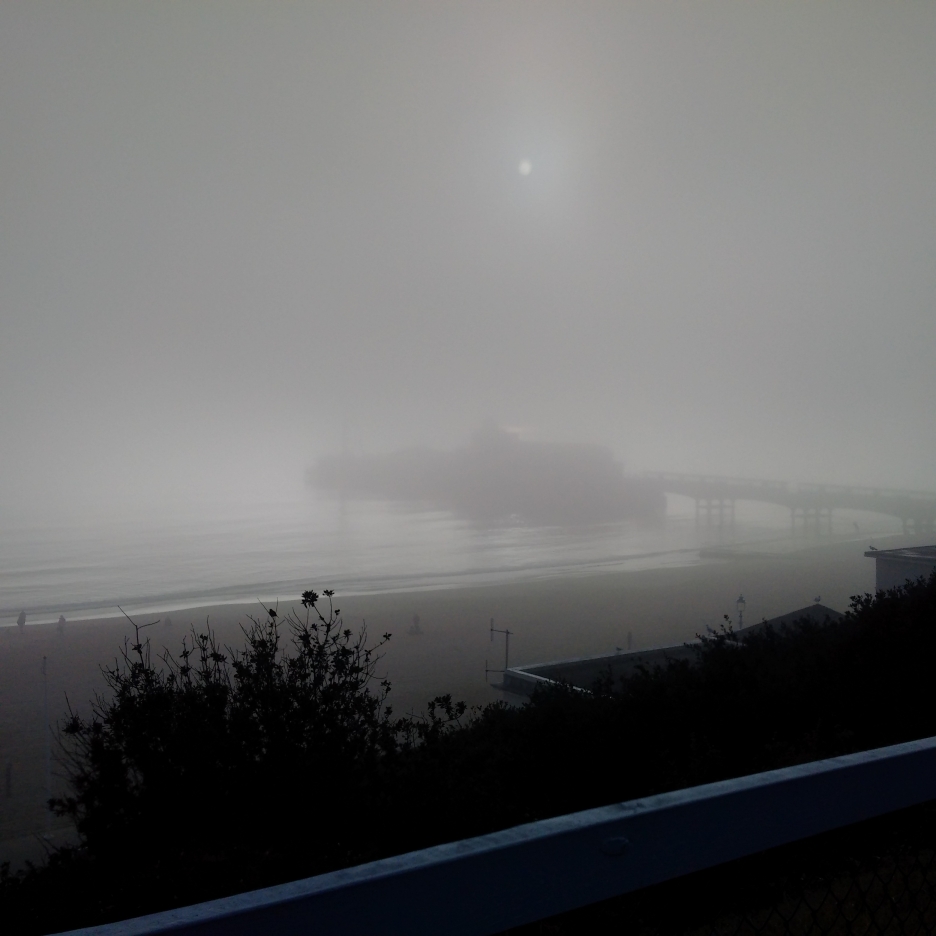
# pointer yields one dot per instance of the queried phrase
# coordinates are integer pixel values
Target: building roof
(583, 672)
(815, 613)
(921, 554)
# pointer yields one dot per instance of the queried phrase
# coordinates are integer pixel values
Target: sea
(85, 567)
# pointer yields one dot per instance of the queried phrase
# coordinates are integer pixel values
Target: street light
(740, 603)
(506, 633)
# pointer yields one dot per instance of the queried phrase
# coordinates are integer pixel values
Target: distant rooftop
(925, 554)
(895, 567)
(583, 672)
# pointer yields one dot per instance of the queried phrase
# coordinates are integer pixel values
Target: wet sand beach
(549, 619)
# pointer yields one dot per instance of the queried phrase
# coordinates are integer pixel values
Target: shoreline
(269, 592)
(598, 572)
(444, 581)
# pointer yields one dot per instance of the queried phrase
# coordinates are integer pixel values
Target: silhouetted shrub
(212, 744)
(783, 696)
(220, 770)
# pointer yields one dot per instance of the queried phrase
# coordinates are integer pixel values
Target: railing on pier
(494, 882)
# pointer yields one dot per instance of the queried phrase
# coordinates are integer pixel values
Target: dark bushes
(781, 697)
(222, 771)
(211, 747)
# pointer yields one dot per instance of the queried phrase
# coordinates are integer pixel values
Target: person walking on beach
(21, 621)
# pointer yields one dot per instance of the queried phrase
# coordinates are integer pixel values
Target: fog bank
(235, 237)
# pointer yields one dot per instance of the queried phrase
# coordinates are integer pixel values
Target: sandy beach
(549, 619)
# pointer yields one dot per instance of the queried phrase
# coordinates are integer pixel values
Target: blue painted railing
(491, 883)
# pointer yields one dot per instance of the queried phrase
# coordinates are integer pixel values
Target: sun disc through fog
(525, 167)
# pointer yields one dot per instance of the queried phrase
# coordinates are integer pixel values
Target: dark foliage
(227, 729)
(218, 770)
(222, 771)
(781, 697)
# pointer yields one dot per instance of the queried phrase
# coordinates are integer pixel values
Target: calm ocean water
(86, 567)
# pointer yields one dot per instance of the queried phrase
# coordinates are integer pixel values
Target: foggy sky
(231, 233)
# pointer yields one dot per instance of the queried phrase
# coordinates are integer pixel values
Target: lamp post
(47, 732)
(506, 633)
(739, 604)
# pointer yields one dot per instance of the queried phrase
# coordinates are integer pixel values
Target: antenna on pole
(48, 750)
(506, 633)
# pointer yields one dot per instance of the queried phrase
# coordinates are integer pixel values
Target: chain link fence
(877, 877)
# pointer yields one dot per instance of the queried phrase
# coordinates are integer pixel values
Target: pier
(810, 505)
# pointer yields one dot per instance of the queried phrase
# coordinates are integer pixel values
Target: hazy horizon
(234, 235)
